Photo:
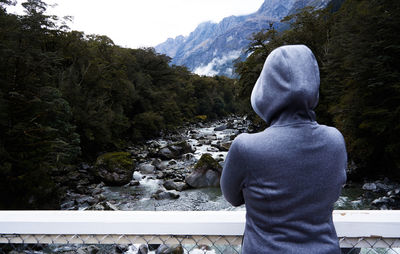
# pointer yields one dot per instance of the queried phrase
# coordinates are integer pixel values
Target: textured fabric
(289, 175)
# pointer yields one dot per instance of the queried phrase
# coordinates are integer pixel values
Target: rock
(147, 168)
(153, 247)
(86, 200)
(369, 186)
(121, 248)
(134, 183)
(178, 186)
(382, 186)
(172, 162)
(166, 153)
(115, 168)
(188, 157)
(175, 150)
(174, 249)
(221, 128)
(143, 249)
(160, 194)
(382, 201)
(163, 165)
(204, 142)
(224, 146)
(96, 191)
(394, 192)
(206, 173)
(155, 162)
(212, 149)
(103, 206)
(91, 249)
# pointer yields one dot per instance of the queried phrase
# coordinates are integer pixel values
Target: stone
(160, 194)
(381, 201)
(175, 151)
(212, 149)
(221, 128)
(91, 249)
(206, 173)
(134, 183)
(188, 157)
(166, 153)
(172, 185)
(382, 186)
(174, 249)
(147, 168)
(103, 206)
(121, 248)
(143, 249)
(115, 168)
(224, 146)
(369, 186)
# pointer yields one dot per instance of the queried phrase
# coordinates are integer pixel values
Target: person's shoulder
(333, 134)
(242, 141)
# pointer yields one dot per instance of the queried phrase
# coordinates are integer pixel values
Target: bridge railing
(172, 231)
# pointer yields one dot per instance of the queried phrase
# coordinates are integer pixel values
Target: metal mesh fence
(163, 244)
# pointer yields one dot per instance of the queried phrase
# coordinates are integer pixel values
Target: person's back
(290, 174)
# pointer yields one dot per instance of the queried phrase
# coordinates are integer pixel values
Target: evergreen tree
(365, 83)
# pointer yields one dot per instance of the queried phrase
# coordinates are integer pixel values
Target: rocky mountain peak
(212, 47)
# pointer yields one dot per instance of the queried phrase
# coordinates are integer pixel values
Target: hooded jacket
(290, 174)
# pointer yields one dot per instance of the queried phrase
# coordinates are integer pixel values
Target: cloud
(214, 67)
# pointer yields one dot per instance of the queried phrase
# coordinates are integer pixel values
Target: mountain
(212, 47)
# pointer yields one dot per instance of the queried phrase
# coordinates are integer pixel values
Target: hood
(287, 89)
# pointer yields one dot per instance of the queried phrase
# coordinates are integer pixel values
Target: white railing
(355, 228)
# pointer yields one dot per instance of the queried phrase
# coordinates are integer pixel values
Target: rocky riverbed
(181, 172)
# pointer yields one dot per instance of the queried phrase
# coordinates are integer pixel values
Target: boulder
(224, 146)
(134, 183)
(174, 249)
(221, 128)
(212, 149)
(369, 186)
(121, 248)
(175, 151)
(103, 206)
(143, 249)
(147, 168)
(172, 185)
(160, 194)
(91, 249)
(206, 173)
(115, 168)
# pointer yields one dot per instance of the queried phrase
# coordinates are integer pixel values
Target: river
(203, 138)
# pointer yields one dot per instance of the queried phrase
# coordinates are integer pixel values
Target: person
(289, 175)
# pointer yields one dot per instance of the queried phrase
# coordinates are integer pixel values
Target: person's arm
(233, 175)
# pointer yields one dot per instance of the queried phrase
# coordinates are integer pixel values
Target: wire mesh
(163, 244)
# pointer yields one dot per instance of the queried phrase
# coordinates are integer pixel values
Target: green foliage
(365, 83)
(66, 96)
(356, 46)
(207, 162)
(38, 134)
(115, 160)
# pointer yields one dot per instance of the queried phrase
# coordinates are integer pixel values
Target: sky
(144, 23)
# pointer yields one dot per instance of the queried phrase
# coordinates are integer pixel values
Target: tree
(362, 70)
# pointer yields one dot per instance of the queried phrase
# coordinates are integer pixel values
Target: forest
(357, 46)
(67, 97)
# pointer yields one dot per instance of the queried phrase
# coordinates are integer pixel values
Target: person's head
(288, 86)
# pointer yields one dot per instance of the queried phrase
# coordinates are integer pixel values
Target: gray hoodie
(289, 175)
